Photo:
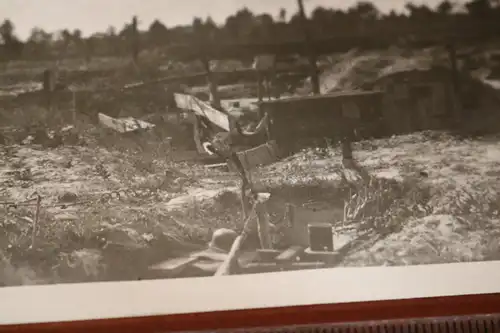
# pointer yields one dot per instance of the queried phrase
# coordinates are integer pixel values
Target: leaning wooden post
(135, 41)
(73, 106)
(259, 79)
(212, 84)
(263, 225)
(49, 87)
(230, 265)
(452, 54)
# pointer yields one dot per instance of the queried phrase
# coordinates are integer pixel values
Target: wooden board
(201, 108)
(259, 156)
(290, 254)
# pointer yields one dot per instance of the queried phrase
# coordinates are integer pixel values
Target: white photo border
(110, 300)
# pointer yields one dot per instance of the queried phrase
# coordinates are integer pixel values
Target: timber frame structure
(212, 111)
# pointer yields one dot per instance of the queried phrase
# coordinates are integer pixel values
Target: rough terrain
(436, 201)
(113, 205)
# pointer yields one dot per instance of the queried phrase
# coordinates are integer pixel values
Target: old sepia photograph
(167, 140)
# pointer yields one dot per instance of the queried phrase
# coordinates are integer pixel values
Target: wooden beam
(455, 78)
(263, 226)
(310, 48)
(212, 84)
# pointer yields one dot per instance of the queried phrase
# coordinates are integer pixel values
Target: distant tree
(89, 47)
(479, 9)
(11, 45)
(322, 21)
(66, 39)
(76, 38)
(129, 36)
(445, 8)
(111, 31)
(157, 33)
(7, 31)
(39, 44)
(282, 15)
(363, 15)
(419, 13)
(365, 11)
(244, 26)
(197, 26)
(210, 28)
(241, 26)
(265, 27)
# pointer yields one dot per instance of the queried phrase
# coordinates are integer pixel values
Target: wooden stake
(73, 106)
(212, 85)
(263, 226)
(452, 54)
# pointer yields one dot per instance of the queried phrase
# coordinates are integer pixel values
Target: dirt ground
(112, 206)
(436, 200)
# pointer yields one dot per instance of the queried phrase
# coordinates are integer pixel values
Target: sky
(92, 16)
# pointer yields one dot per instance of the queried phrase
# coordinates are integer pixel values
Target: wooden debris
(291, 253)
(263, 226)
(259, 156)
(123, 125)
(203, 109)
(267, 255)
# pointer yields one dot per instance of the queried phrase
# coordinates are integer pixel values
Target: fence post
(212, 84)
(263, 226)
(48, 87)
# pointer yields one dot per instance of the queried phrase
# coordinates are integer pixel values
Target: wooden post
(49, 87)
(135, 40)
(260, 87)
(73, 106)
(212, 84)
(452, 54)
(309, 47)
(263, 226)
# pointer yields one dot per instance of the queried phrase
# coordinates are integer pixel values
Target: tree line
(245, 26)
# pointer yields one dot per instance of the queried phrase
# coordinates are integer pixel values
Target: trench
(313, 203)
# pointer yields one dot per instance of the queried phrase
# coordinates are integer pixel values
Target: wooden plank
(291, 253)
(326, 257)
(189, 102)
(259, 156)
(123, 125)
(263, 226)
(175, 266)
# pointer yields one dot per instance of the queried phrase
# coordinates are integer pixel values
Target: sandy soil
(108, 212)
(99, 205)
